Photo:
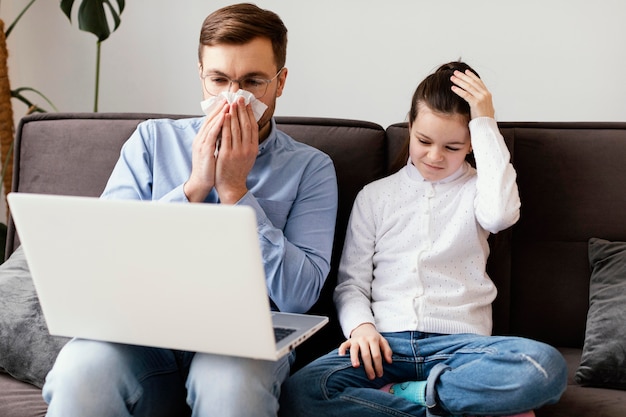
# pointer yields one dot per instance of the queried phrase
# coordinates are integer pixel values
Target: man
(226, 157)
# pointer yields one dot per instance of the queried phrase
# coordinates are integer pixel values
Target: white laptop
(178, 276)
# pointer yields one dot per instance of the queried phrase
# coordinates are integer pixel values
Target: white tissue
(258, 107)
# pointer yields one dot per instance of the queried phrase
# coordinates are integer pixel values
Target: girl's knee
(550, 369)
(548, 360)
(321, 380)
(300, 395)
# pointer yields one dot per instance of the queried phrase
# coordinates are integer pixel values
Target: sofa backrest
(74, 153)
(572, 183)
(571, 176)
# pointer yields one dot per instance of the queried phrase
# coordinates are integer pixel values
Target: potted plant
(92, 17)
(7, 128)
(6, 108)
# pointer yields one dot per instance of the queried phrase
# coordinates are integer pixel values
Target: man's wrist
(231, 196)
(193, 193)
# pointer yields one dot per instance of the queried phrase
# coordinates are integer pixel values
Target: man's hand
(238, 151)
(234, 129)
(472, 89)
(371, 346)
(203, 160)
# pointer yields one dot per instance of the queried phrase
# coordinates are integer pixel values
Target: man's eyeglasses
(215, 84)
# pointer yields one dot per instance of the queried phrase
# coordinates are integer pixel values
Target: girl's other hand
(366, 342)
(472, 89)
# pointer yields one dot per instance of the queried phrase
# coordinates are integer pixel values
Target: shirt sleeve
(497, 201)
(132, 177)
(356, 270)
(297, 257)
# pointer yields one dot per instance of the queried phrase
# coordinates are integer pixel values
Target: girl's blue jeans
(466, 375)
(92, 378)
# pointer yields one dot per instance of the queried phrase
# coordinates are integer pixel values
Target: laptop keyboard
(281, 332)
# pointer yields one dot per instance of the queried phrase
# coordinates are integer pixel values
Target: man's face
(255, 58)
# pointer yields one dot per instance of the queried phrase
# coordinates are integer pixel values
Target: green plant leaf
(17, 19)
(92, 16)
(17, 93)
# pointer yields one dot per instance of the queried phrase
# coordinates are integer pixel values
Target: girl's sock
(414, 391)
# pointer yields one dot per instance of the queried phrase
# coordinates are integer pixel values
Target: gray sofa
(572, 181)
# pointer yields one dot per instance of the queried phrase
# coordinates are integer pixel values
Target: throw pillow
(603, 362)
(27, 351)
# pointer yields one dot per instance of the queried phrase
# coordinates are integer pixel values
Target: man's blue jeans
(101, 379)
(466, 375)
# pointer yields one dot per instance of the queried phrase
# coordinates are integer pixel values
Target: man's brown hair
(239, 24)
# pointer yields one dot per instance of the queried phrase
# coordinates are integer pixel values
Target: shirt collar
(270, 138)
(415, 174)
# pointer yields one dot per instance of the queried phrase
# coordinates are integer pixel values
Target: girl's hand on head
(472, 89)
(366, 342)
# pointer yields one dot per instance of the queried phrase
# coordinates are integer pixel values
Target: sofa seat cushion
(20, 399)
(580, 401)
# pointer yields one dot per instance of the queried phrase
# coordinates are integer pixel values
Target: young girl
(413, 297)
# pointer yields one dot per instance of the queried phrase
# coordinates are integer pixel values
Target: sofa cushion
(19, 399)
(27, 351)
(603, 362)
(579, 401)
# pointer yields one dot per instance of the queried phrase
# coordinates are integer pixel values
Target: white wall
(557, 60)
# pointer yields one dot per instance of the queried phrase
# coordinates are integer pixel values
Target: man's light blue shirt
(292, 187)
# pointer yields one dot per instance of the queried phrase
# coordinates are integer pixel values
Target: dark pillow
(27, 351)
(603, 362)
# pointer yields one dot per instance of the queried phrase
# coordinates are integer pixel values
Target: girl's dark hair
(239, 24)
(435, 91)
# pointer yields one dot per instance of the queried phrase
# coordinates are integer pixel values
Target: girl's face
(438, 143)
